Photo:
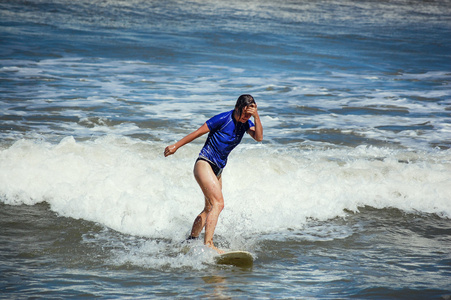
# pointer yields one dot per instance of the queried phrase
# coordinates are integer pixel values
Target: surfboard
(235, 258)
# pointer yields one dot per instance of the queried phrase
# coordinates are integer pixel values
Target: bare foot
(214, 248)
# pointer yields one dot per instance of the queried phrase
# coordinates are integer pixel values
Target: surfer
(225, 132)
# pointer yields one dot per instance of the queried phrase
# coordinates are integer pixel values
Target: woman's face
(245, 116)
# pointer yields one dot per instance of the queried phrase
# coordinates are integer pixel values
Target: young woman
(225, 132)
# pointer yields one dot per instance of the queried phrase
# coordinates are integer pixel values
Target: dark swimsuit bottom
(217, 170)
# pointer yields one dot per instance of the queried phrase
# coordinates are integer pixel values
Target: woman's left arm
(169, 150)
(256, 132)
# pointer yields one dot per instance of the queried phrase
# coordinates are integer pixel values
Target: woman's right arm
(169, 150)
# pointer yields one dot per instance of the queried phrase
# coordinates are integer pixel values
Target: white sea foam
(129, 186)
(138, 91)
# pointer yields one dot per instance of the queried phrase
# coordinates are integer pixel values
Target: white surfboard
(235, 258)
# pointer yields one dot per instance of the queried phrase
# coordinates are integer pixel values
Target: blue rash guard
(225, 134)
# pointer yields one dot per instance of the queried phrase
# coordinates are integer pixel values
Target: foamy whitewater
(348, 195)
(129, 186)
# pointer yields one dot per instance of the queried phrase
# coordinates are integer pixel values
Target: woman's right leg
(214, 201)
(199, 222)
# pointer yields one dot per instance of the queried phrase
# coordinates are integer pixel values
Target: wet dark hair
(244, 101)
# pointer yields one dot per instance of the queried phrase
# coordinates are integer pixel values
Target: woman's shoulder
(219, 119)
(224, 116)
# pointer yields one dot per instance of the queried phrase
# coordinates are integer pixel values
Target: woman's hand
(252, 110)
(169, 150)
(256, 132)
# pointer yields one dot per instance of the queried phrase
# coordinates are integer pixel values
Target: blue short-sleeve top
(225, 134)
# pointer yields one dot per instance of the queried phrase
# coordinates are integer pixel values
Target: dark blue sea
(348, 195)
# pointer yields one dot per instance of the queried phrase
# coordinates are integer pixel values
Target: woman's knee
(219, 204)
(214, 202)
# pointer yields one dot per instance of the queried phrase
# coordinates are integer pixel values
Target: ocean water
(348, 195)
